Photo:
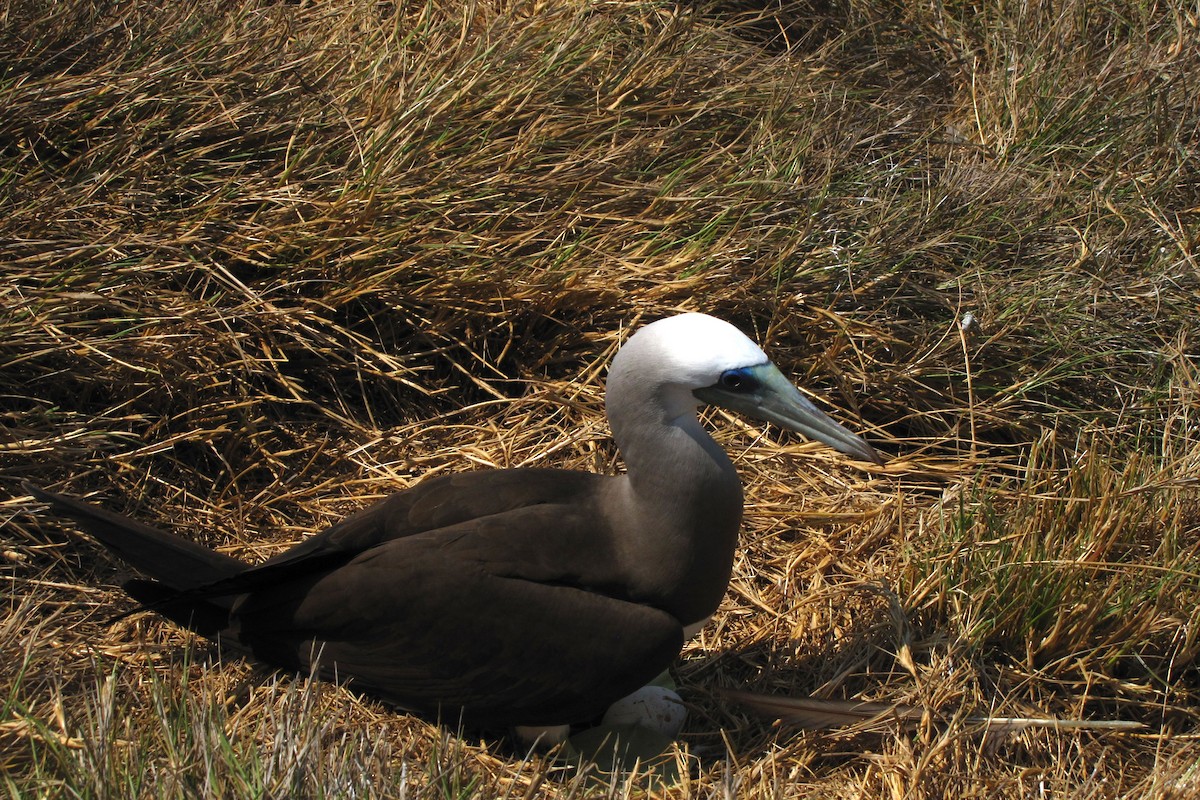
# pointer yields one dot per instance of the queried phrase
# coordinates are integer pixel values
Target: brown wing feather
(526, 639)
(431, 505)
(491, 593)
(176, 562)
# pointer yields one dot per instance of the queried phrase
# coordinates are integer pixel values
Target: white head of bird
(671, 367)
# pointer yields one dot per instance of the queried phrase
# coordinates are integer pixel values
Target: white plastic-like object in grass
(655, 707)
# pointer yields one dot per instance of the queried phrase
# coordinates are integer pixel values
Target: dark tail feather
(198, 614)
(175, 563)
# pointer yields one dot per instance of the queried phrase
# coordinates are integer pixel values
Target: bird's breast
(679, 556)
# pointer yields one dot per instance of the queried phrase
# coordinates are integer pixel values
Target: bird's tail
(177, 566)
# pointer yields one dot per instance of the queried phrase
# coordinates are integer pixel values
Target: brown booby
(508, 597)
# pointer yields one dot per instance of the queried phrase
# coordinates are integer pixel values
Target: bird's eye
(738, 380)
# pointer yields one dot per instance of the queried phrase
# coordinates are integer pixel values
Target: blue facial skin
(738, 380)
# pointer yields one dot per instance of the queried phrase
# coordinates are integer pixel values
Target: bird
(524, 598)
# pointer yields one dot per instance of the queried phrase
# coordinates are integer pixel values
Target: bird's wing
(176, 562)
(434, 504)
(520, 629)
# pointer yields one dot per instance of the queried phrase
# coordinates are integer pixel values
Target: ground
(265, 262)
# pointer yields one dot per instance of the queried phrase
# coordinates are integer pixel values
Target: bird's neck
(675, 458)
(685, 499)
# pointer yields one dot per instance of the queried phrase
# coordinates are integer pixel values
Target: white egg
(655, 707)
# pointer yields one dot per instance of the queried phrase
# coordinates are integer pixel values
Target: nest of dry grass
(265, 262)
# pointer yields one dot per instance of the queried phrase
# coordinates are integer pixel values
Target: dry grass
(265, 262)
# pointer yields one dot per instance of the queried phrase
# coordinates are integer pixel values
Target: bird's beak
(772, 397)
